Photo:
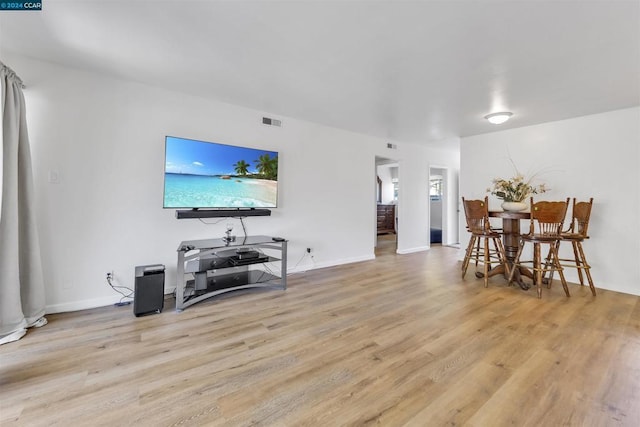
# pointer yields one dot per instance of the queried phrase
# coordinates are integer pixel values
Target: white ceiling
(416, 71)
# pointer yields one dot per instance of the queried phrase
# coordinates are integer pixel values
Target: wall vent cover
(271, 122)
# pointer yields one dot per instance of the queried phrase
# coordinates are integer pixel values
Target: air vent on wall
(271, 122)
(392, 146)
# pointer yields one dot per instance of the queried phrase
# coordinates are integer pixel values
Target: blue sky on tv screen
(187, 156)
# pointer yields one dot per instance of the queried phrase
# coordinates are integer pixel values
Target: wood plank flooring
(401, 340)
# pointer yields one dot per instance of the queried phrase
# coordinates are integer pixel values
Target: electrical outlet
(109, 275)
(308, 250)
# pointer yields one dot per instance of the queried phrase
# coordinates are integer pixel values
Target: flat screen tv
(201, 174)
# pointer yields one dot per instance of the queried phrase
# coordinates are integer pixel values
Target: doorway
(438, 205)
(387, 189)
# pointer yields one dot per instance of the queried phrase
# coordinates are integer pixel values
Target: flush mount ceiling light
(498, 118)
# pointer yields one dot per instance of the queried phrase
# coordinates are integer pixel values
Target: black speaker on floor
(148, 297)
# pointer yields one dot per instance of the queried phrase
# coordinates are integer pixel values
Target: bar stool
(545, 228)
(477, 216)
(576, 234)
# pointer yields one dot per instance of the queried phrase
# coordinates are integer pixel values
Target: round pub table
(511, 236)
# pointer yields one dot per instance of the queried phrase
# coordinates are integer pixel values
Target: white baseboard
(91, 303)
(332, 263)
(413, 250)
(82, 305)
(345, 261)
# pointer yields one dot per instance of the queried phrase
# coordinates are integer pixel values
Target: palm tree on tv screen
(241, 167)
(267, 166)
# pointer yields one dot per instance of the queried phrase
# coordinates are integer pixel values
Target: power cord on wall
(306, 254)
(117, 288)
(211, 223)
(244, 228)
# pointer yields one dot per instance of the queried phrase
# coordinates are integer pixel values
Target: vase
(514, 206)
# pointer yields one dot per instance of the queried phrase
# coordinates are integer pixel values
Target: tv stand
(211, 267)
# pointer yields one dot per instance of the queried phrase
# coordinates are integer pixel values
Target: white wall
(105, 140)
(436, 214)
(413, 198)
(593, 156)
(436, 205)
(453, 206)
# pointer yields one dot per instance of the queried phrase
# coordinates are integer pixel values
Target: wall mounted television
(202, 174)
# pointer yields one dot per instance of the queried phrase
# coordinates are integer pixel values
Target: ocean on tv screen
(219, 191)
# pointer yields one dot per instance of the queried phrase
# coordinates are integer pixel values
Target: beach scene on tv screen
(201, 174)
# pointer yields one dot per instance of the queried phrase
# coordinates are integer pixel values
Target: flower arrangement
(515, 189)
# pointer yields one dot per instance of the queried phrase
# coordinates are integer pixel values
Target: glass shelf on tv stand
(211, 267)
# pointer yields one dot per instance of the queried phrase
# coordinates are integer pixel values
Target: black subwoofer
(148, 297)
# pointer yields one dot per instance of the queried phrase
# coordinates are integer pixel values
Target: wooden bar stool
(479, 248)
(545, 228)
(576, 234)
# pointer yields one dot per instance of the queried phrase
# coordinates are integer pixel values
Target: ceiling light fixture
(498, 118)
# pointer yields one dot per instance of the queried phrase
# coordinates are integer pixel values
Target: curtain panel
(22, 294)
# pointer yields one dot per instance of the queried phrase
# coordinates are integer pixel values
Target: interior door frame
(445, 201)
(379, 161)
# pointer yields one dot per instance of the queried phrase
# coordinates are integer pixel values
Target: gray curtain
(22, 298)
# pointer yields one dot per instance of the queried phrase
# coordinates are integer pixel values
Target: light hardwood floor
(401, 340)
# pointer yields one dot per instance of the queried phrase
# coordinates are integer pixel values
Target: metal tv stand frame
(210, 267)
